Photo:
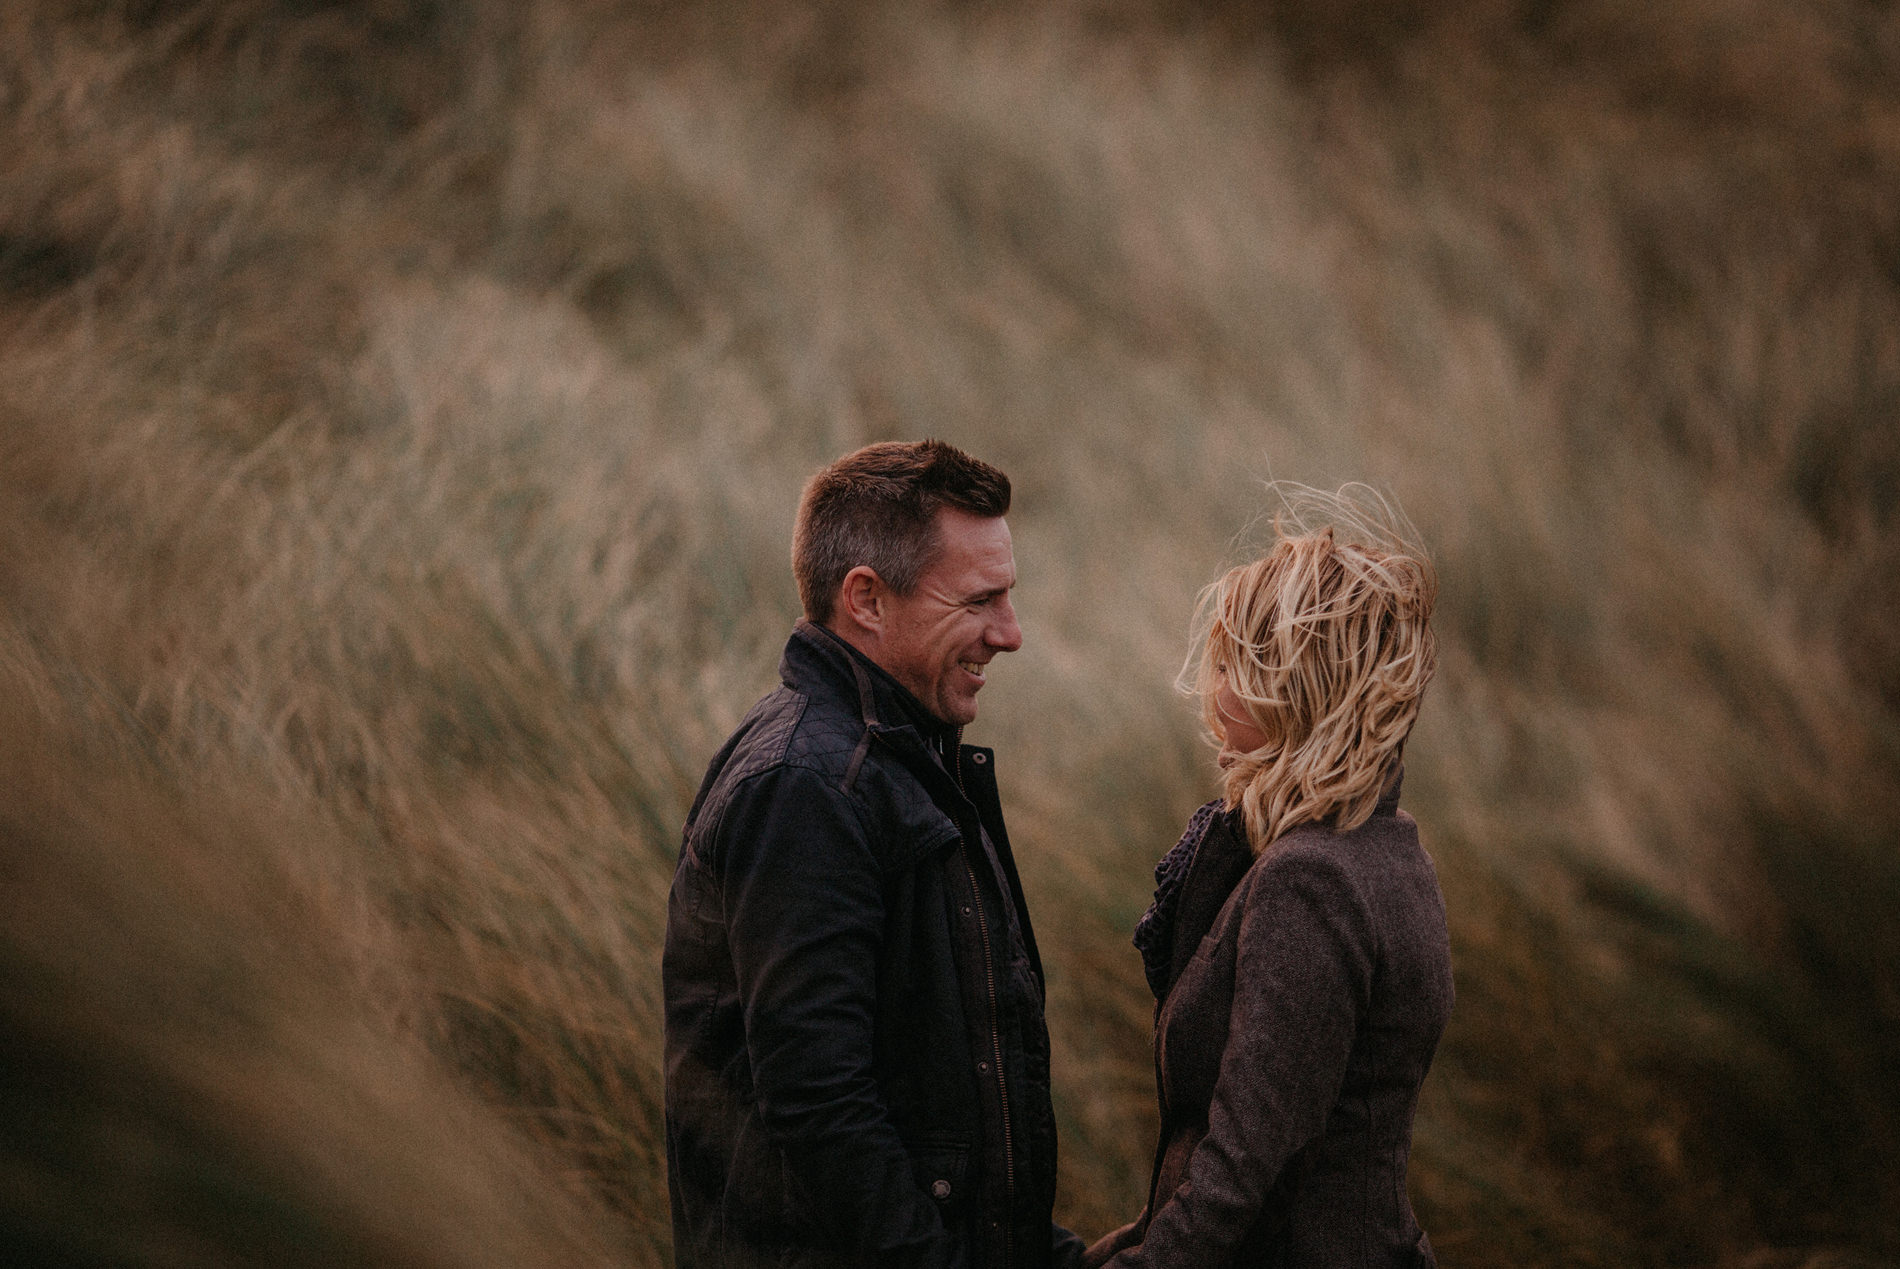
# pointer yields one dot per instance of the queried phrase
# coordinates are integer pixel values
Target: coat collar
(819, 663)
(1220, 861)
(1388, 803)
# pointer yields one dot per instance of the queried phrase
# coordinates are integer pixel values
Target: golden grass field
(403, 404)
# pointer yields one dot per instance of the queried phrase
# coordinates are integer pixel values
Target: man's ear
(861, 600)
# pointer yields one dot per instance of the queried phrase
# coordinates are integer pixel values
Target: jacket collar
(1220, 861)
(1388, 803)
(819, 663)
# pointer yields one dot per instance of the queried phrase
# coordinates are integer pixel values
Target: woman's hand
(1107, 1245)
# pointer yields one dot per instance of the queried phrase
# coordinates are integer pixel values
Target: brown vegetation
(402, 413)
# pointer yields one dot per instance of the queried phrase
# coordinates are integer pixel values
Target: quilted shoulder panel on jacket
(759, 744)
(824, 739)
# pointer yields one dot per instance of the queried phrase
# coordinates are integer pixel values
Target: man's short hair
(877, 506)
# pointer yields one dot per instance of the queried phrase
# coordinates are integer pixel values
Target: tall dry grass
(402, 415)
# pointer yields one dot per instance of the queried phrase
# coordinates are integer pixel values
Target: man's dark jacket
(857, 1069)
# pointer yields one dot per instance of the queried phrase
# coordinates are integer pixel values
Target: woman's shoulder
(1307, 851)
(1379, 870)
(1356, 858)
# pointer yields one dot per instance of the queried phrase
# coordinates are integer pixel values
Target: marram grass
(403, 411)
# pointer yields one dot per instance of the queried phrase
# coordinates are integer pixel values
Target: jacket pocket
(941, 1168)
(1210, 949)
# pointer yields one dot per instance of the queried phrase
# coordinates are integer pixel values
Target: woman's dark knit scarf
(1154, 933)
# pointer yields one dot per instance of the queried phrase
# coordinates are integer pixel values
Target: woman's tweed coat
(1307, 992)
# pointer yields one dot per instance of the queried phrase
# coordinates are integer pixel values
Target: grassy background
(402, 412)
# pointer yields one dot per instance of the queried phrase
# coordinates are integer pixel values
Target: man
(857, 1069)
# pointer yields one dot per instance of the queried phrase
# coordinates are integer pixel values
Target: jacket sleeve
(1066, 1248)
(804, 915)
(1302, 980)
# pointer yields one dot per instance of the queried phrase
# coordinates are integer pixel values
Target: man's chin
(959, 713)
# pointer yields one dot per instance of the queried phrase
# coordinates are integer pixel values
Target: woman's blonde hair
(1327, 642)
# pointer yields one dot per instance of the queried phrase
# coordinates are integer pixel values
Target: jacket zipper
(996, 1034)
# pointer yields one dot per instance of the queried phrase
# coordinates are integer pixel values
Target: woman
(1297, 941)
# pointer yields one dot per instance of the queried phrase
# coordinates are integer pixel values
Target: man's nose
(1004, 634)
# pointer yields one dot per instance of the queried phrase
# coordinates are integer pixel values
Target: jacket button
(979, 758)
(966, 909)
(940, 1189)
(983, 1066)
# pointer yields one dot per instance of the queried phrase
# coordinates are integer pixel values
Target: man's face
(938, 640)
